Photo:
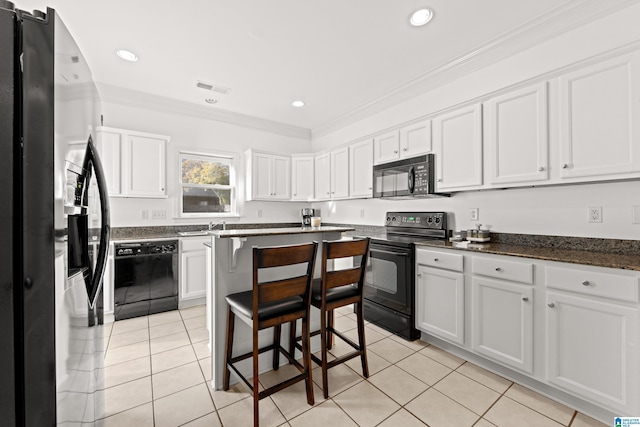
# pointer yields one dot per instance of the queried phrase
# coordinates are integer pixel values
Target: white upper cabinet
(361, 169)
(408, 141)
(517, 132)
(302, 178)
(600, 119)
(134, 162)
(332, 175)
(269, 176)
(415, 139)
(458, 145)
(109, 143)
(386, 147)
(323, 176)
(339, 172)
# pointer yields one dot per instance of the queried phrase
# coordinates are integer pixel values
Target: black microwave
(408, 178)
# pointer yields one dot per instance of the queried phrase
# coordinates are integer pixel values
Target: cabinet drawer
(193, 243)
(595, 283)
(440, 259)
(503, 269)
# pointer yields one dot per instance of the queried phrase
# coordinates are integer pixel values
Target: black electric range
(389, 292)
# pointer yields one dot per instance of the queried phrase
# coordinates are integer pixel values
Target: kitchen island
(230, 270)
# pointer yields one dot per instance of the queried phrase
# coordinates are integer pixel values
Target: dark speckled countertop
(572, 256)
(612, 253)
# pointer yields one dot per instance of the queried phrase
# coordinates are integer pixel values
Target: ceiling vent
(213, 88)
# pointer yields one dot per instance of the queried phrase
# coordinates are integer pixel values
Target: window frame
(209, 156)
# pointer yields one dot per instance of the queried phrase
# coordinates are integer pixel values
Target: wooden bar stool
(336, 289)
(270, 304)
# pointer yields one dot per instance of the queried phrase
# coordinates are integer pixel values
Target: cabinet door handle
(525, 299)
(540, 169)
(436, 259)
(370, 188)
(404, 149)
(395, 151)
(498, 269)
(551, 305)
(419, 274)
(564, 166)
(439, 180)
(586, 283)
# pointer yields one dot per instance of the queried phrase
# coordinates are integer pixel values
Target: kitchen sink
(194, 233)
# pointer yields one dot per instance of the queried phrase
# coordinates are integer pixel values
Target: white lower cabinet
(440, 296)
(502, 322)
(593, 335)
(193, 268)
(562, 329)
(592, 350)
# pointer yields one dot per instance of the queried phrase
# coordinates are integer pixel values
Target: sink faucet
(213, 226)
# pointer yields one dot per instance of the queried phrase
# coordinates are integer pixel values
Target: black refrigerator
(54, 226)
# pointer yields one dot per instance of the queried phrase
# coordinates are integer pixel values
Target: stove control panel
(433, 220)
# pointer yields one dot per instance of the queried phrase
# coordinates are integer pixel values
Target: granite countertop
(276, 231)
(573, 256)
(124, 234)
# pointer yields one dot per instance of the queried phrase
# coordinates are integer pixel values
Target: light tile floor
(157, 372)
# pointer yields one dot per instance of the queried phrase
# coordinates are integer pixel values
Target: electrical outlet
(161, 214)
(474, 214)
(361, 213)
(595, 214)
(144, 214)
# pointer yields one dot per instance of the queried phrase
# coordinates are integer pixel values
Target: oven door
(389, 276)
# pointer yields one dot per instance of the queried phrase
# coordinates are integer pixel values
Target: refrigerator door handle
(93, 159)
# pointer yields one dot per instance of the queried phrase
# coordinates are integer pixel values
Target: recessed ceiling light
(421, 17)
(211, 101)
(298, 104)
(127, 55)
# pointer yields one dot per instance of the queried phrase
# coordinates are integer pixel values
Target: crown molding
(133, 98)
(545, 27)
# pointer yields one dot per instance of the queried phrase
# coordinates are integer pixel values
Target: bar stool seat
(242, 304)
(332, 294)
(268, 305)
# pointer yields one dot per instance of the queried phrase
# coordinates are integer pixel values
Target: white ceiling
(344, 58)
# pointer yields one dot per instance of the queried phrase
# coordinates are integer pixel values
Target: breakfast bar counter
(230, 270)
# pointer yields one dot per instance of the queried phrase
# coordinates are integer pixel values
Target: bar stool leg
(292, 339)
(306, 360)
(276, 347)
(330, 319)
(231, 317)
(256, 386)
(361, 343)
(323, 339)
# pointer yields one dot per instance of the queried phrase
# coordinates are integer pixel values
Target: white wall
(201, 135)
(558, 210)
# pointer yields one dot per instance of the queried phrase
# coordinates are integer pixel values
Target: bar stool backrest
(350, 276)
(295, 285)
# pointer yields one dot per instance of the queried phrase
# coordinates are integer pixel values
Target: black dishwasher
(146, 278)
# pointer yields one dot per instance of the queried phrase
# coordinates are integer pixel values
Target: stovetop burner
(410, 227)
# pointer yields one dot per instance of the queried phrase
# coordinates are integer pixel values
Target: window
(207, 184)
